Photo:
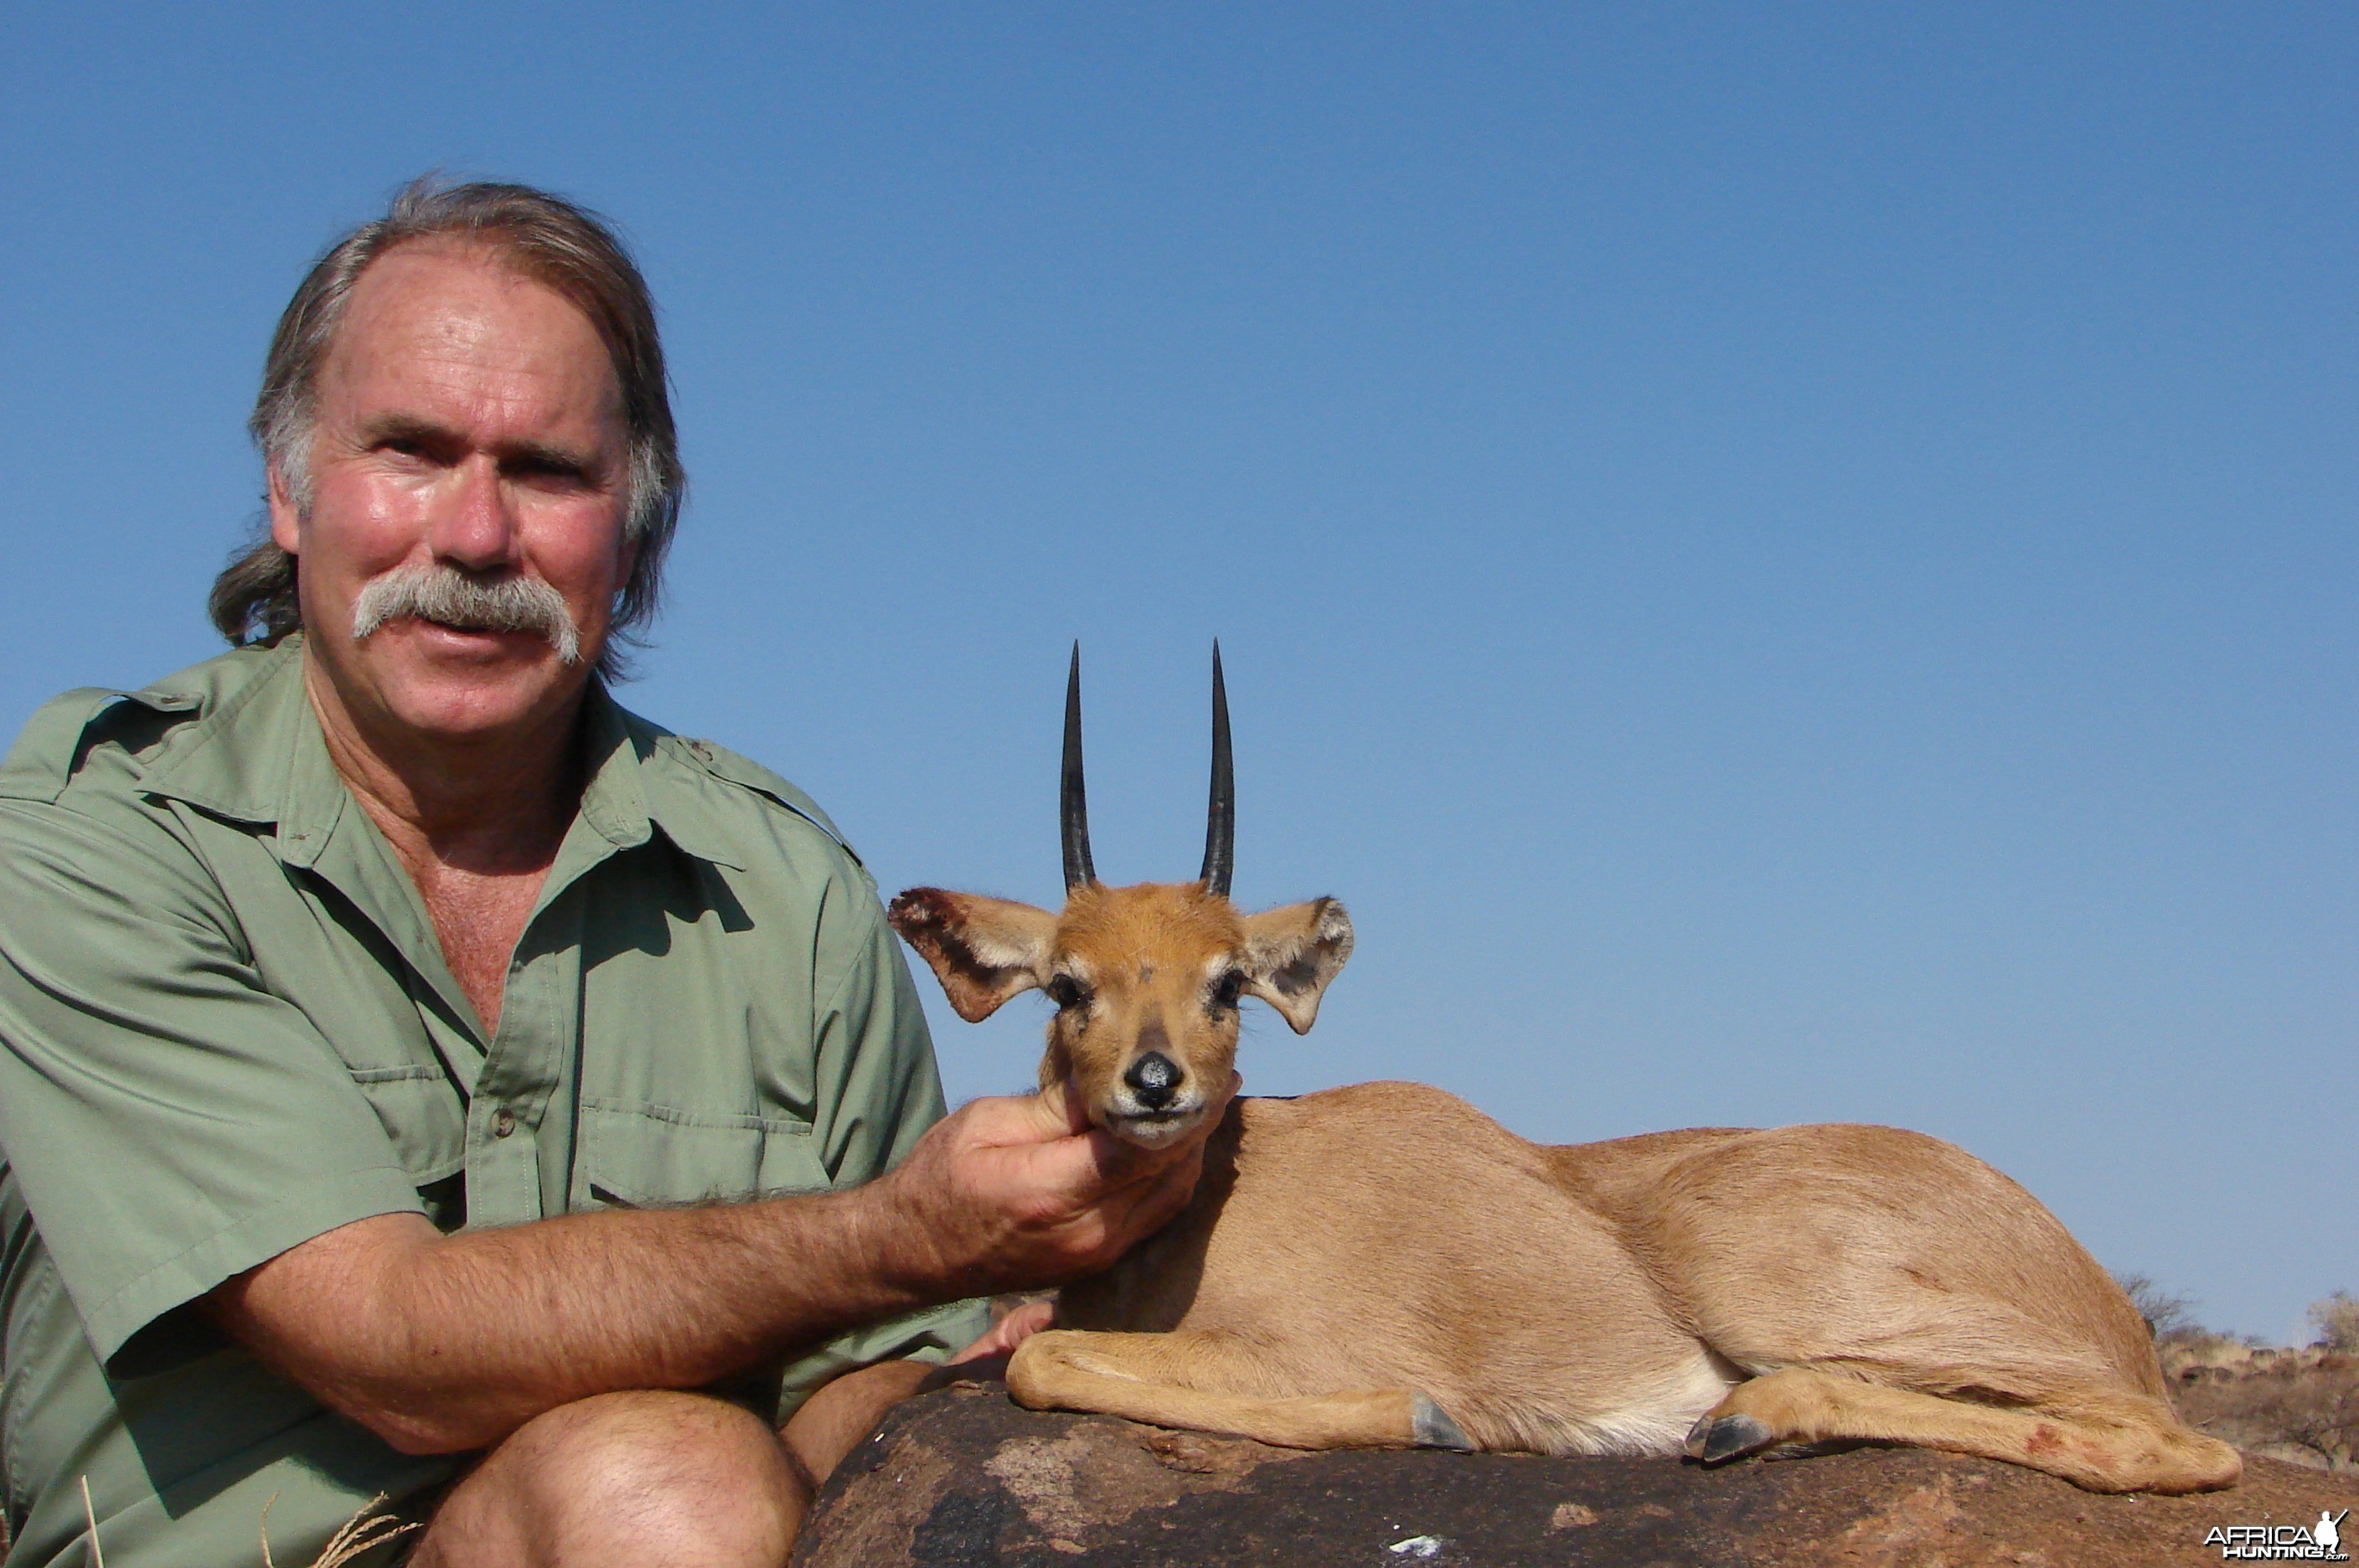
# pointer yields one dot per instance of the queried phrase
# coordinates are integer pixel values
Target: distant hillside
(2299, 1404)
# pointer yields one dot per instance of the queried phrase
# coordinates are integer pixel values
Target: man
(382, 1007)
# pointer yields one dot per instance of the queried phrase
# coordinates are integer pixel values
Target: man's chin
(457, 684)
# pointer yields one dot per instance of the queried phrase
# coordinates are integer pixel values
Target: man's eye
(1067, 992)
(551, 471)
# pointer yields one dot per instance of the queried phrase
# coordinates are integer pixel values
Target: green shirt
(226, 1027)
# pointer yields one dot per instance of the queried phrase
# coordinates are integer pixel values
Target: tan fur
(1382, 1263)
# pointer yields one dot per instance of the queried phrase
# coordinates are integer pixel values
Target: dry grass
(364, 1532)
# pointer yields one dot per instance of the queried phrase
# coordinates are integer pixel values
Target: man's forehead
(442, 263)
(439, 299)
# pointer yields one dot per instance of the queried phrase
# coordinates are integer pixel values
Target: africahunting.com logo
(2320, 1542)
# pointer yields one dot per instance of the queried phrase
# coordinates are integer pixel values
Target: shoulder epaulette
(48, 747)
(747, 774)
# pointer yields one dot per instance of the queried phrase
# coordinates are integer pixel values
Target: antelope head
(1146, 979)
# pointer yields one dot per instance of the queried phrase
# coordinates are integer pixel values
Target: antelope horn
(1073, 805)
(1221, 817)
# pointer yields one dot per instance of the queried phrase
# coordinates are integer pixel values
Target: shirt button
(504, 1123)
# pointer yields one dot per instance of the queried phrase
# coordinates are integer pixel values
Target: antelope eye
(1067, 992)
(1227, 989)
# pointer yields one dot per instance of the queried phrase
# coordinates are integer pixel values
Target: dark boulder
(962, 1478)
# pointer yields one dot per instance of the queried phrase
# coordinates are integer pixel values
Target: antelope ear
(983, 951)
(1292, 953)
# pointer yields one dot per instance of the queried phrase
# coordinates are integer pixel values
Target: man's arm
(440, 1343)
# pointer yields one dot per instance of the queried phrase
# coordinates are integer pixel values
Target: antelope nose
(1155, 1078)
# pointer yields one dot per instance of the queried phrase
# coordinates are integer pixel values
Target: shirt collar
(244, 758)
(613, 799)
(258, 756)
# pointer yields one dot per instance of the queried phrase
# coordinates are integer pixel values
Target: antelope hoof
(1714, 1440)
(1431, 1427)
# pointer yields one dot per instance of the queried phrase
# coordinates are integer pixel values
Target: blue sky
(1788, 563)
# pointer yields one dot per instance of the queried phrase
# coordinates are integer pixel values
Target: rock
(962, 1478)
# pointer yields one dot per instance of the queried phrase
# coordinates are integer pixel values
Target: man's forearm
(440, 1343)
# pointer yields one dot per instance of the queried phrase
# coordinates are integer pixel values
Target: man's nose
(1155, 1078)
(472, 525)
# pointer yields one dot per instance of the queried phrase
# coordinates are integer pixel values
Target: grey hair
(543, 236)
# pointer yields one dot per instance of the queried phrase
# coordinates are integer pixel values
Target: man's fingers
(1054, 1195)
(1089, 1165)
(1027, 1321)
(1051, 1133)
(1001, 1340)
(1012, 1120)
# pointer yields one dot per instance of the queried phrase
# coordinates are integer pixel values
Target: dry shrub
(2166, 1314)
(2337, 1322)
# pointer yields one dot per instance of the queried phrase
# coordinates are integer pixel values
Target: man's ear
(286, 518)
(983, 949)
(1292, 953)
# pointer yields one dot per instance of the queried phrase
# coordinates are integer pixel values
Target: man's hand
(1020, 1324)
(1010, 1194)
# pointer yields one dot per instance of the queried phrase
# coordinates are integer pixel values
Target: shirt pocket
(648, 1156)
(421, 1115)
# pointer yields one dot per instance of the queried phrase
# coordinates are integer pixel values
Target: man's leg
(838, 1414)
(630, 1480)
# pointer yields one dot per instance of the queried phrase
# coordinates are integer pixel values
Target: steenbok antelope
(1384, 1264)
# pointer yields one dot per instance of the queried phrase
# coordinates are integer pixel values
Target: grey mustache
(510, 603)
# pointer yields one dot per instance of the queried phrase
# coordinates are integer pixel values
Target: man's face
(467, 417)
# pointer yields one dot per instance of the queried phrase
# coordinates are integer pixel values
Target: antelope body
(1384, 1264)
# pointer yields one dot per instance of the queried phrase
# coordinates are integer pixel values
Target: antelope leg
(1211, 1382)
(2106, 1443)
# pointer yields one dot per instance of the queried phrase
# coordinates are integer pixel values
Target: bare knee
(647, 1479)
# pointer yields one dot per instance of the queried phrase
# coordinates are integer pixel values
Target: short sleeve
(171, 1121)
(873, 1047)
